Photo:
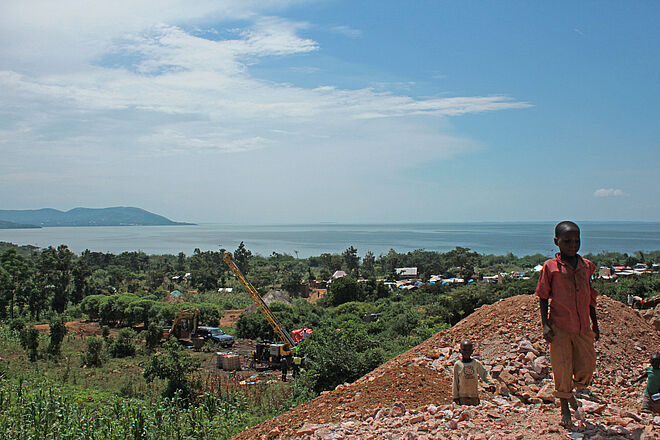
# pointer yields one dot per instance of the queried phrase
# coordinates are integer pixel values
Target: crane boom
(278, 328)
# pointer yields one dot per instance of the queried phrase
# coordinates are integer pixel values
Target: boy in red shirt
(564, 288)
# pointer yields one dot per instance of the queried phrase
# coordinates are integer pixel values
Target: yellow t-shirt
(466, 378)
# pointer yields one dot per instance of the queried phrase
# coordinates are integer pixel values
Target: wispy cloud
(609, 192)
(346, 31)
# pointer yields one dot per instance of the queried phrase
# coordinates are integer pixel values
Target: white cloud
(611, 192)
(346, 31)
(103, 92)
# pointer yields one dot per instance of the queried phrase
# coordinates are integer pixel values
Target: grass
(60, 399)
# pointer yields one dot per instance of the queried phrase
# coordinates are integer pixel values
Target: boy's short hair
(565, 226)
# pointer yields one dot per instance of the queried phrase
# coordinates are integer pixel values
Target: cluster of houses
(612, 273)
(408, 278)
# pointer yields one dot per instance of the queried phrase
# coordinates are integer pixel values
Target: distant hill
(11, 225)
(117, 216)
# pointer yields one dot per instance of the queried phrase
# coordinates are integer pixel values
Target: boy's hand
(548, 334)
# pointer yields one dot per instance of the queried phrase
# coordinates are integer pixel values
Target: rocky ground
(409, 397)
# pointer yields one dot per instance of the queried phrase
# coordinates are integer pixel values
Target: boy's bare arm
(594, 322)
(548, 334)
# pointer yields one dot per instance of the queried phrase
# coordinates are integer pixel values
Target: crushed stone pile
(174, 299)
(409, 397)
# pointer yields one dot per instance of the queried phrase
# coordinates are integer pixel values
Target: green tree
(99, 282)
(154, 279)
(37, 298)
(331, 262)
(291, 282)
(207, 269)
(352, 261)
(343, 290)
(336, 357)
(242, 258)
(80, 274)
(57, 333)
(17, 325)
(6, 292)
(369, 264)
(152, 336)
(93, 355)
(55, 273)
(253, 326)
(173, 365)
(181, 262)
(124, 345)
(16, 277)
(30, 342)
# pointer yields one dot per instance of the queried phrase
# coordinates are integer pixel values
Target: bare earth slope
(409, 397)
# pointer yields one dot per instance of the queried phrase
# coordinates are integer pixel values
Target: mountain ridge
(113, 216)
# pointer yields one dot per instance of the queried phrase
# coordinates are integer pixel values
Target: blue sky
(312, 111)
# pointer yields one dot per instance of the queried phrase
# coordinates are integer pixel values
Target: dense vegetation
(126, 385)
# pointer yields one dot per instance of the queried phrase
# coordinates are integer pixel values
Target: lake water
(312, 240)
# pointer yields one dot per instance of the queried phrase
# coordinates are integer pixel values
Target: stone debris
(409, 397)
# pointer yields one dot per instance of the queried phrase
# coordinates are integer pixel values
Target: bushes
(93, 356)
(124, 345)
(30, 342)
(57, 333)
(343, 290)
(253, 326)
(17, 325)
(335, 357)
(152, 336)
(173, 365)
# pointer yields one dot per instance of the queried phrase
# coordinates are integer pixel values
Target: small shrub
(17, 325)
(93, 356)
(57, 333)
(124, 345)
(152, 336)
(173, 365)
(30, 342)
(105, 332)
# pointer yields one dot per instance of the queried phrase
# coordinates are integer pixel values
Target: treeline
(54, 280)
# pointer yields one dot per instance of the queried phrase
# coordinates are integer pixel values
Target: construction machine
(268, 354)
(184, 326)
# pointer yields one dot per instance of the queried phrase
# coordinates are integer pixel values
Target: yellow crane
(271, 354)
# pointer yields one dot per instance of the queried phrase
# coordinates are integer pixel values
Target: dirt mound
(230, 317)
(174, 299)
(271, 297)
(84, 328)
(507, 338)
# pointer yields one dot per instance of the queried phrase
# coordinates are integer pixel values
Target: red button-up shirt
(570, 293)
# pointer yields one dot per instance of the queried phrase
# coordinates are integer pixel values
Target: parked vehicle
(216, 335)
